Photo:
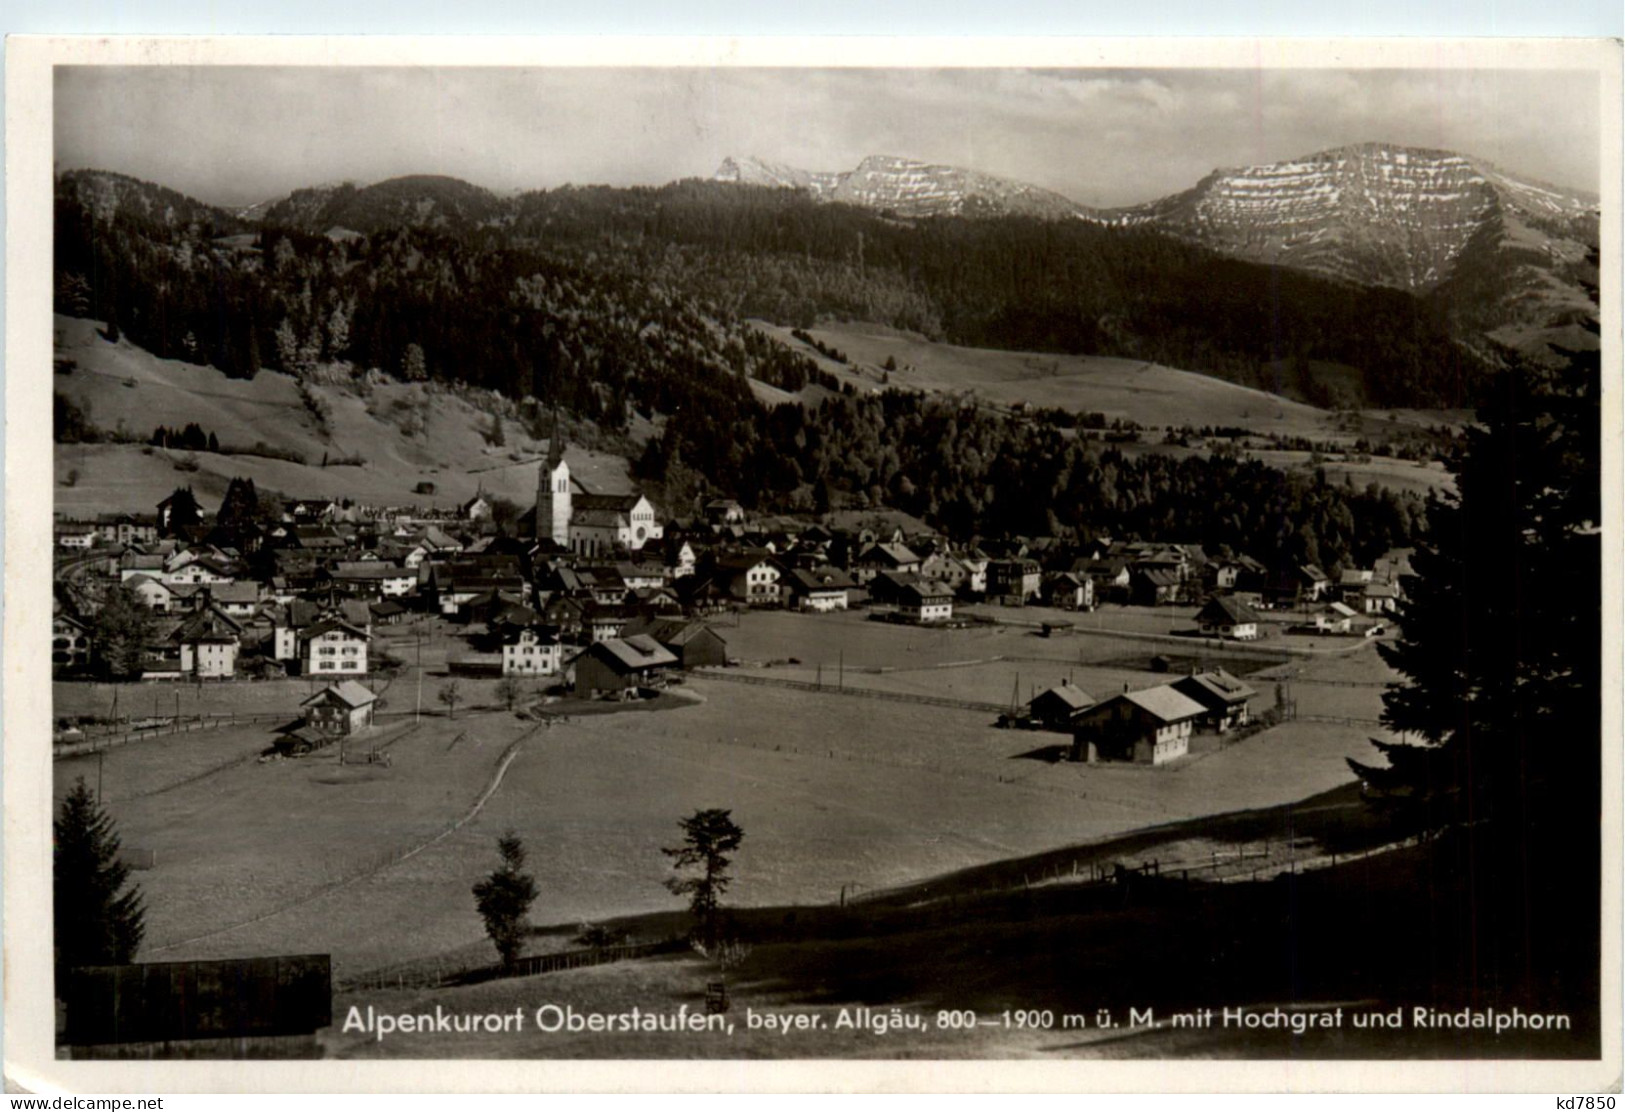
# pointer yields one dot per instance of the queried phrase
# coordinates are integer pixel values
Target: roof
(632, 654)
(1067, 692)
(895, 553)
(598, 519)
(1219, 688)
(1341, 610)
(1165, 703)
(928, 589)
(670, 631)
(330, 624)
(206, 625)
(348, 692)
(821, 579)
(370, 569)
(618, 503)
(1158, 577)
(1222, 608)
(235, 592)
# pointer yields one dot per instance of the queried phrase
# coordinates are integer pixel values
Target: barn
(693, 643)
(619, 664)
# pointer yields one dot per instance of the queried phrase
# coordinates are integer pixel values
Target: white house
(1225, 617)
(530, 653)
(333, 647)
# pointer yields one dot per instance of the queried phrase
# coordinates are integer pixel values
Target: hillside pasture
(121, 385)
(1146, 393)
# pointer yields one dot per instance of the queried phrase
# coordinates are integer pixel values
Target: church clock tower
(553, 494)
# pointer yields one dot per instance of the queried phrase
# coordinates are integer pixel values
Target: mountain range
(1506, 257)
(1364, 275)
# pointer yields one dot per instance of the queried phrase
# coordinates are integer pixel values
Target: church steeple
(553, 491)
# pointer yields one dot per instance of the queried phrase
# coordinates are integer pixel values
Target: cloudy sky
(234, 135)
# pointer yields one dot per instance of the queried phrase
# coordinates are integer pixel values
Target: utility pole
(417, 715)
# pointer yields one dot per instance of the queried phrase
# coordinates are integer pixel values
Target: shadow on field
(1049, 754)
(1404, 930)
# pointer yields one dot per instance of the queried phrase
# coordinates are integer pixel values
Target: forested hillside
(609, 303)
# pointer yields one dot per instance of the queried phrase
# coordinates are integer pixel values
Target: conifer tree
(504, 899)
(99, 919)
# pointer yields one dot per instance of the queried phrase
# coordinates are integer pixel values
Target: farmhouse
(1225, 617)
(694, 644)
(750, 576)
(1056, 708)
(333, 646)
(1223, 698)
(818, 591)
(1151, 585)
(1151, 726)
(1336, 618)
(893, 557)
(339, 709)
(1069, 591)
(926, 602)
(617, 664)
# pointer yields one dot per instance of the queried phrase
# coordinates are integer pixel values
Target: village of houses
(601, 597)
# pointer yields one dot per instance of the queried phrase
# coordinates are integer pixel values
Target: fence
(438, 973)
(859, 692)
(166, 727)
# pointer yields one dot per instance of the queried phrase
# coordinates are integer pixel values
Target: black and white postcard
(1095, 556)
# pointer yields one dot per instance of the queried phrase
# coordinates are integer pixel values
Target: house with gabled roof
(1223, 697)
(533, 650)
(1225, 616)
(694, 643)
(208, 641)
(816, 590)
(1055, 708)
(333, 647)
(340, 709)
(1150, 726)
(891, 556)
(621, 663)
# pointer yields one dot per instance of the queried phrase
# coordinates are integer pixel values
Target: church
(589, 524)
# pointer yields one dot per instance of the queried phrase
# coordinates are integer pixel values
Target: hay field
(1147, 393)
(834, 792)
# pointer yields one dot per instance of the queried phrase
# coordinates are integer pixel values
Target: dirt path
(468, 816)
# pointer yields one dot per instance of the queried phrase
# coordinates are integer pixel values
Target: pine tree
(1501, 641)
(708, 837)
(98, 920)
(504, 899)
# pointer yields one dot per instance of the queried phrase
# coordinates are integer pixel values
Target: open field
(1120, 388)
(835, 792)
(120, 383)
(1394, 474)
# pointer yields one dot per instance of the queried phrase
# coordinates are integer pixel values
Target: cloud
(1103, 136)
